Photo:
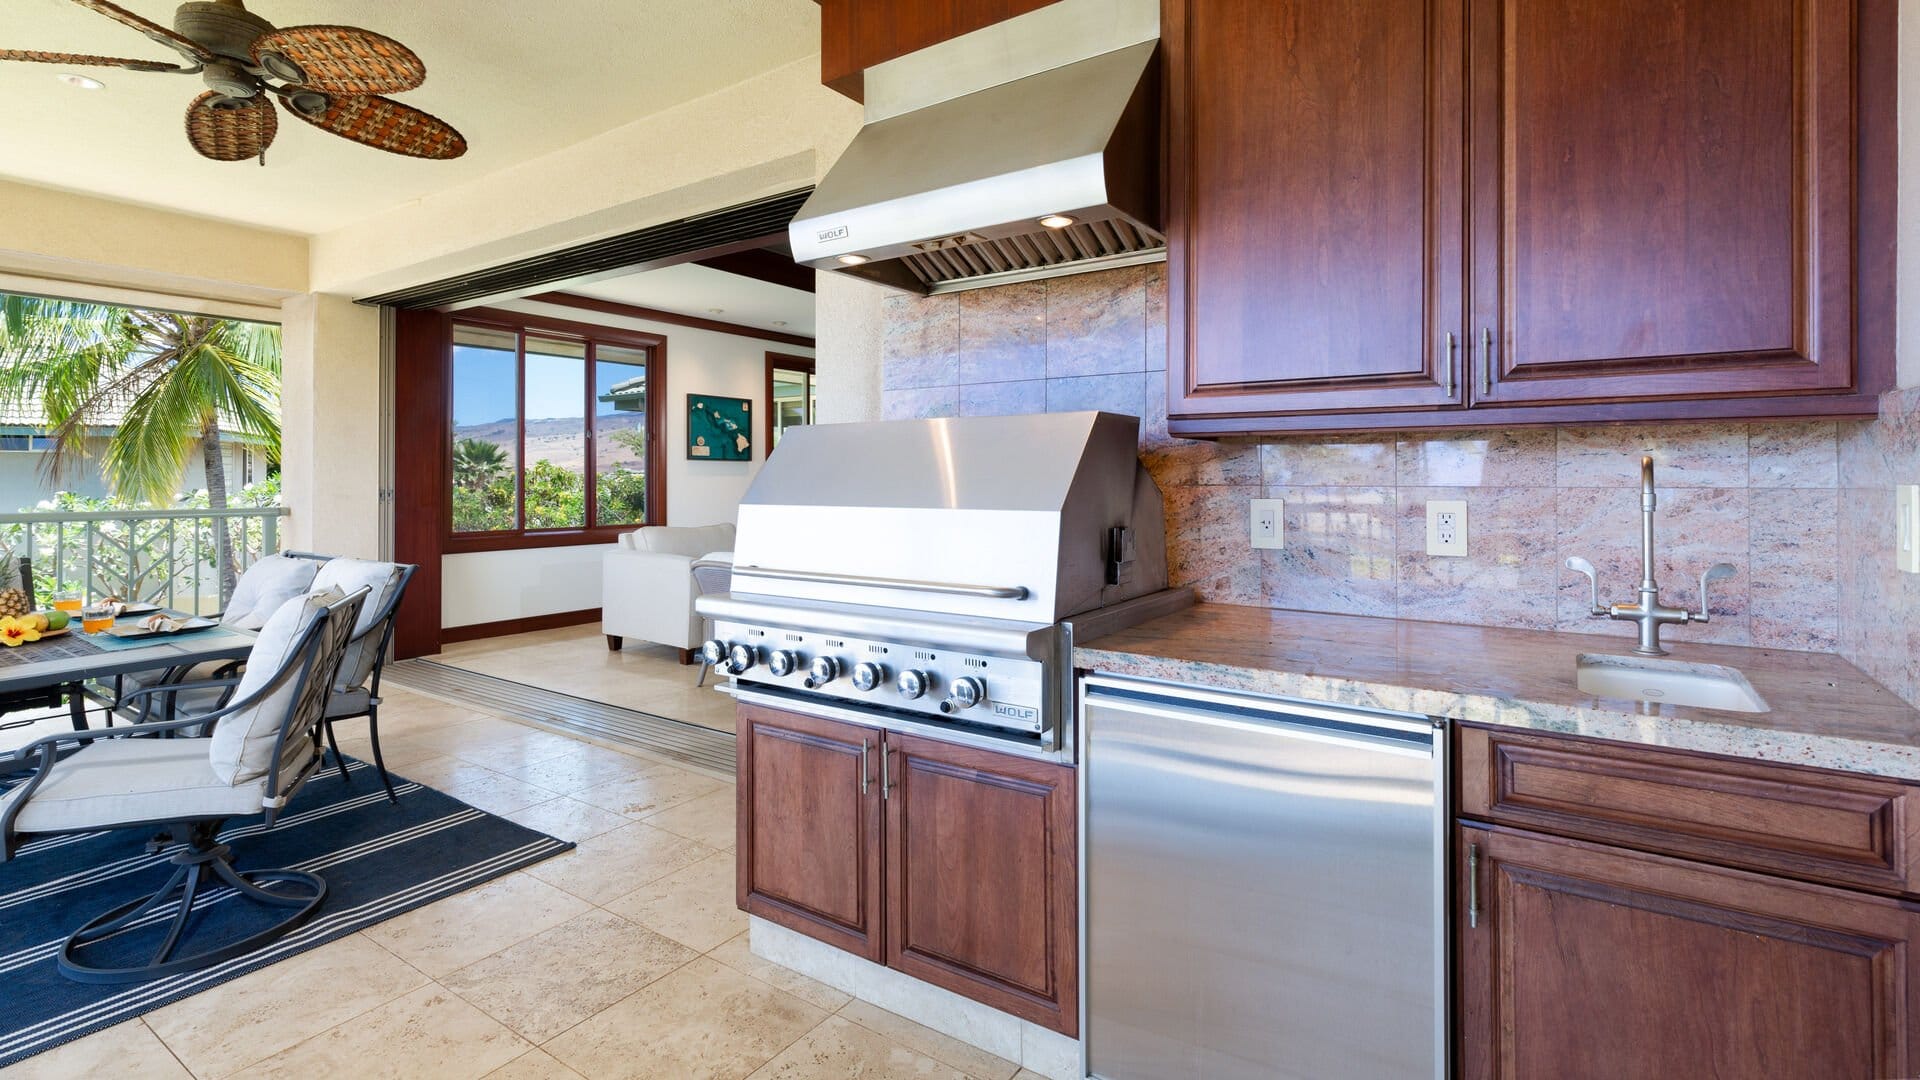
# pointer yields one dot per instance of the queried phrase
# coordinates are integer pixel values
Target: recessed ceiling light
(716, 311)
(779, 322)
(79, 81)
(853, 260)
(1056, 221)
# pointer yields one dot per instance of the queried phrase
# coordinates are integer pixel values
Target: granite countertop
(1825, 712)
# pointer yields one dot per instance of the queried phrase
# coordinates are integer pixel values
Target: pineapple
(13, 594)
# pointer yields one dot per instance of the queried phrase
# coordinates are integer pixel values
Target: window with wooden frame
(555, 430)
(790, 395)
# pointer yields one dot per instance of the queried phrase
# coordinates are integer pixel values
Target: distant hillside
(553, 439)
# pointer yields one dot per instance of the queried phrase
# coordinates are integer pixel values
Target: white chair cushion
(346, 576)
(675, 540)
(242, 743)
(126, 781)
(265, 586)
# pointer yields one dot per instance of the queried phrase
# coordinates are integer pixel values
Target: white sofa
(647, 587)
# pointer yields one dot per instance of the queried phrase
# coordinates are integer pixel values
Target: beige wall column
(849, 319)
(330, 425)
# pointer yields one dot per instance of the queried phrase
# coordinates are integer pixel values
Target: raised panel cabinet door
(1315, 205)
(808, 822)
(1578, 960)
(1663, 198)
(982, 894)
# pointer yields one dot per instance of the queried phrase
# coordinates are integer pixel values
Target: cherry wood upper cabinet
(1621, 209)
(1315, 219)
(808, 825)
(857, 34)
(1584, 961)
(1663, 198)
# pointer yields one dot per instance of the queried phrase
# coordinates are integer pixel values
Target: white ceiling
(692, 289)
(520, 78)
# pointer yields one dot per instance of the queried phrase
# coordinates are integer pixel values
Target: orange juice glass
(68, 602)
(95, 618)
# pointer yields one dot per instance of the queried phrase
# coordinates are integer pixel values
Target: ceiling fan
(333, 77)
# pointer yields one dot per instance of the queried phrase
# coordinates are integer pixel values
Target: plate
(138, 609)
(137, 631)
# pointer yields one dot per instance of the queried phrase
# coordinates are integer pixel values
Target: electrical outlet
(1906, 527)
(1447, 528)
(1269, 523)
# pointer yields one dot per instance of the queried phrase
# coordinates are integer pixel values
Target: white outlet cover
(1267, 523)
(1906, 528)
(1447, 528)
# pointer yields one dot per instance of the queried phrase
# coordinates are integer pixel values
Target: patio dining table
(71, 660)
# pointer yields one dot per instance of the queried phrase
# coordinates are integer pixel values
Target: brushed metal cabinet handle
(1452, 353)
(1486, 361)
(864, 772)
(1473, 886)
(886, 771)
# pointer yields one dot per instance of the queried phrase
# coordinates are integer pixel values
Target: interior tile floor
(624, 958)
(575, 660)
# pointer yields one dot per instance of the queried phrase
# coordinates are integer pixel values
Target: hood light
(853, 260)
(80, 81)
(1056, 221)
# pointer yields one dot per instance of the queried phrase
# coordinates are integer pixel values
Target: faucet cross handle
(1716, 572)
(1582, 566)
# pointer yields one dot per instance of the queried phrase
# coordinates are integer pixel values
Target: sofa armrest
(649, 596)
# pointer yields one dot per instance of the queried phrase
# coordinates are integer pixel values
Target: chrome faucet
(1648, 612)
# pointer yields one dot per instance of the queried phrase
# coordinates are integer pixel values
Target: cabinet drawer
(1805, 823)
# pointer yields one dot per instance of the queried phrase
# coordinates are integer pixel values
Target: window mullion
(520, 424)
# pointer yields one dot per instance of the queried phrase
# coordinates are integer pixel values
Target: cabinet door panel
(982, 895)
(809, 822)
(1315, 215)
(1595, 962)
(1663, 200)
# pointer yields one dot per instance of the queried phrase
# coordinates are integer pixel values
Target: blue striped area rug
(378, 859)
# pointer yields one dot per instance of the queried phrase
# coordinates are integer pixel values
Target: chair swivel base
(199, 867)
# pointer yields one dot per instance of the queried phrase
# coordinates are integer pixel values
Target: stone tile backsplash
(1795, 507)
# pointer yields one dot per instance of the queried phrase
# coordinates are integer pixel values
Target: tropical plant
(163, 384)
(478, 463)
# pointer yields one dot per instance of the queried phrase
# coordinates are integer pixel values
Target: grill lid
(1007, 517)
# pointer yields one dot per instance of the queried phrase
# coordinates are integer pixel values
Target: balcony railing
(167, 557)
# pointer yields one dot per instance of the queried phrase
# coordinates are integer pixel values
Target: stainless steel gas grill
(930, 574)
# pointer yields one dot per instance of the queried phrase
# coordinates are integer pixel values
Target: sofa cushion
(242, 743)
(123, 781)
(267, 584)
(691, 542)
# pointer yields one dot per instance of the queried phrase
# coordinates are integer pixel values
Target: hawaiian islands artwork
(719, 428)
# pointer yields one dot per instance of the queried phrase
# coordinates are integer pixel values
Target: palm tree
(166, 383)
(478, 463)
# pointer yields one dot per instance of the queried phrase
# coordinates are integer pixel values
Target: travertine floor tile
(553, 980)
(708, 819)
(452, 933)
(838, 1049)
(694, 906)
(263, 1012)
(649, 792)
(534, 1065)
(586, 767)
(127, 1050)
(477, 785)
(615, 863)
(970, 1059)
(430, 1034)
(737, 954)
(568, 819)
(705, 1020)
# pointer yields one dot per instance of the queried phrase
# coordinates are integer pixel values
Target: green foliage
(620, 495)
(477, 463)
(556, 497)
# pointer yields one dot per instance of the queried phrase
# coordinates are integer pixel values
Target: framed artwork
(719, 428)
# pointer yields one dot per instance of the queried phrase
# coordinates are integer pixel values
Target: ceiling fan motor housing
(226, 28)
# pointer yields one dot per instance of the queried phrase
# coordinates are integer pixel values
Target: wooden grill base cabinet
(1618, 948)
(950, 864)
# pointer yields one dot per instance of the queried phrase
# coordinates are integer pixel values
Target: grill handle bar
(943, 588)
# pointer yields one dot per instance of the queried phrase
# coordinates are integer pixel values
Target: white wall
(488, 586)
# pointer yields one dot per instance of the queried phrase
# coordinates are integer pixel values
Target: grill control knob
(965, 694)
(867, 675)
(740, 658)
(911, 684)
(714, 652)
(783, 662)
(822, 671)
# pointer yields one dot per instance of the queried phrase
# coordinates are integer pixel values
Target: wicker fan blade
(231, 129)
(154, 30)
(382, 123)
(339, 59)
(83, 60)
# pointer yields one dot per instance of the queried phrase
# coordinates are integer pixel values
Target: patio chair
(356, 690)
(263, 747)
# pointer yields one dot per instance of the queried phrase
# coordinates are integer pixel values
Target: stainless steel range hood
(970, 143)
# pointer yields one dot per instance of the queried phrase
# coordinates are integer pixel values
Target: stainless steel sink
(1668, 682)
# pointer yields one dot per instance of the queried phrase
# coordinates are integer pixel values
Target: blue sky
(483, 385)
